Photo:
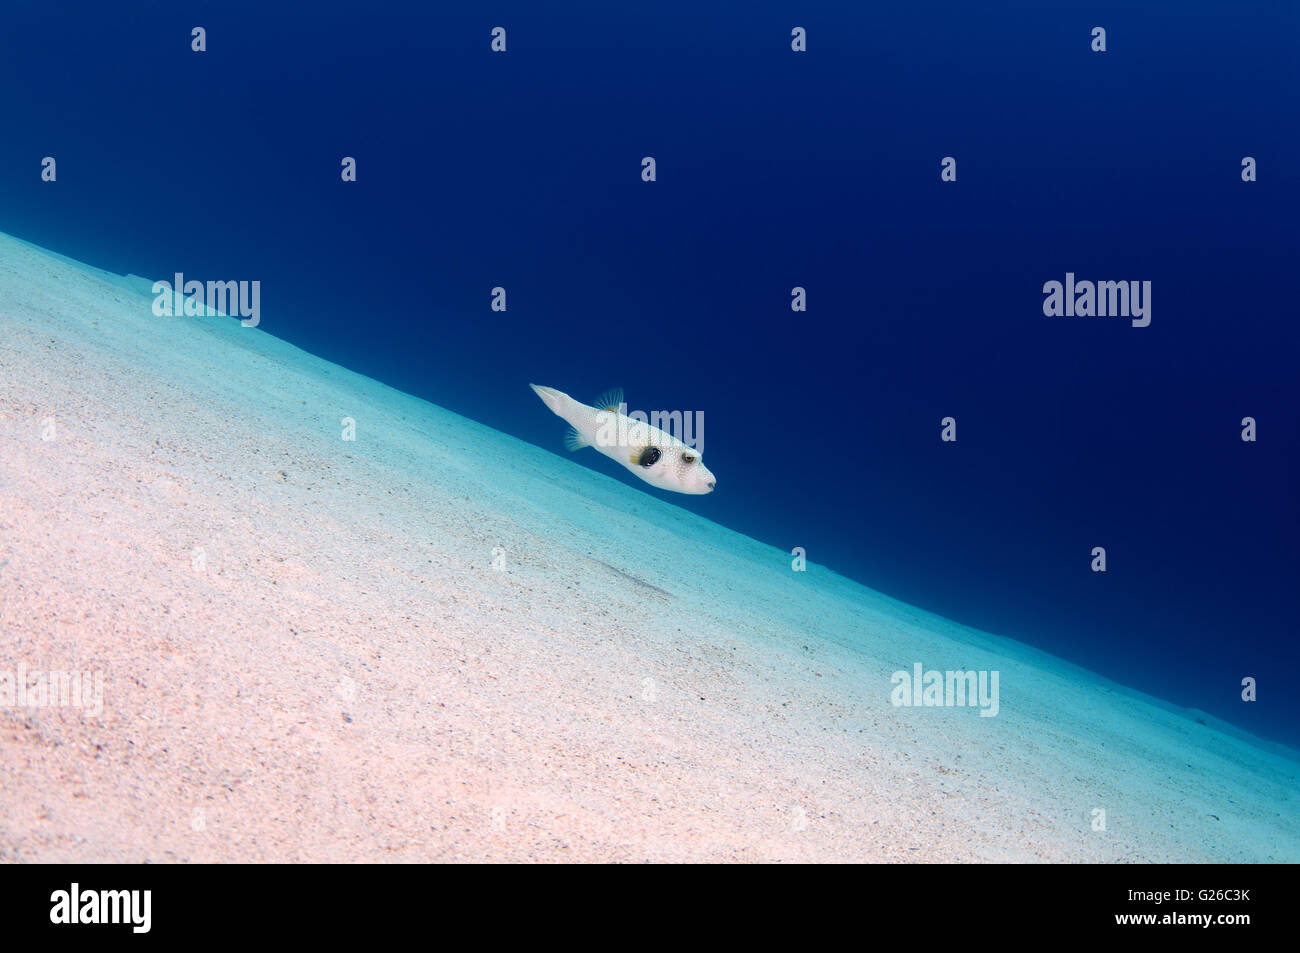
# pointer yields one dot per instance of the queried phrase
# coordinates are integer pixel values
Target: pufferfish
(655, 456)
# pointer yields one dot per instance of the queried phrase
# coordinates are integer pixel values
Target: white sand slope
(342, 674)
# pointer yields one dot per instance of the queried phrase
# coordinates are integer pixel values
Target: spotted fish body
(652, 454)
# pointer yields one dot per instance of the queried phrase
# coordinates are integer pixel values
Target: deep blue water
(775, 169)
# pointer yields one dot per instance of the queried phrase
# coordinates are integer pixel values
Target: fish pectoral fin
(574, 440)
(612, 399)
(645, 456)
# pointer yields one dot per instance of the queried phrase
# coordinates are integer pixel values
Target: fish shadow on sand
(655, 591)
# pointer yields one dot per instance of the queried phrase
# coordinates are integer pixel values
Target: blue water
(775, 169)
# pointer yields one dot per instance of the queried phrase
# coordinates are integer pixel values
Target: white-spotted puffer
(655, 456)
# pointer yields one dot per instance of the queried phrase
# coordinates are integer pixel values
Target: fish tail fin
(563, 406)
(574, 440)
(551, 397)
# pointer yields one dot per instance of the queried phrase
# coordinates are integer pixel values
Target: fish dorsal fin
(612, 399)
(574, 440)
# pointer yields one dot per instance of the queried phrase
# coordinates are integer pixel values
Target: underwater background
(775, 169)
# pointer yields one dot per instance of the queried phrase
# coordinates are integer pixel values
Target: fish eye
(688, 458)
(649, 457)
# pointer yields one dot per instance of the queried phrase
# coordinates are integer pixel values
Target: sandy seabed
(437, 642)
